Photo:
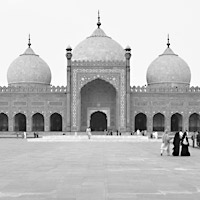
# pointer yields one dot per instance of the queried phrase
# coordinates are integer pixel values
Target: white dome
(29, 69)
(168, 70)
(98, 47)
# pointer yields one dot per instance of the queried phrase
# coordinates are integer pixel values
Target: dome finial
(98, 23)
(29, 41)
(168, 44)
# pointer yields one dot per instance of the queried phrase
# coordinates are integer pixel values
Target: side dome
(98, 47)
(168, 70)
(28, 69)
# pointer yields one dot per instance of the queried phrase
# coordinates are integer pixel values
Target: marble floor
(95, 171)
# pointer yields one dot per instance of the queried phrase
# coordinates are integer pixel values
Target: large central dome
(98, 47)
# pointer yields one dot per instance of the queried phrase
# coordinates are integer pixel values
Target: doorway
(20, 122)
(176, 122)
(140, 122)
(98, 121)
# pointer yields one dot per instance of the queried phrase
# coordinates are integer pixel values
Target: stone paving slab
(96, 171)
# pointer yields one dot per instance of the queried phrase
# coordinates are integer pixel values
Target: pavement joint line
(183, 169)
(160, 192)
(138, 159)
(12, 194)
(178, 192)
(139, 169)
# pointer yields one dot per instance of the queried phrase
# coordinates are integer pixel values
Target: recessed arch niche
(98, 95)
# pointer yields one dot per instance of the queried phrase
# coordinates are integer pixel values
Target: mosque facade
(98, 93)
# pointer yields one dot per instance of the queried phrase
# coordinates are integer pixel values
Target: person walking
(24, 135)
(185, 145)
(176, 143)
(165, 146)
(88, 131)
(198, 139)
(193, 137)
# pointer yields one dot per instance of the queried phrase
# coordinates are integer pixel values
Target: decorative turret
(128, 55)
(69, 55)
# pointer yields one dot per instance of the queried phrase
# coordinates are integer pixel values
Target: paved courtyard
(95, 171)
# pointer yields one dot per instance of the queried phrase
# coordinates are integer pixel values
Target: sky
(141, 24)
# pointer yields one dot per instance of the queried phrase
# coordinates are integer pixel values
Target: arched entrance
(38, 122)
(176, 122)
(99, 95)
(140, 122)
(3, 122)
(98, 121)
(56, 122)
(20, 122)
(194, 122)
(158, 122)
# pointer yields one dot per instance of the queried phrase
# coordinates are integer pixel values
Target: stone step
(95, 138)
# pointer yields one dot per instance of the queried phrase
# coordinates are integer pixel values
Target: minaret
(128, 88)
(69, 56)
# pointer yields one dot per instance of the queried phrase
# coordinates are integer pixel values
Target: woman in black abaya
(185, 145)
(176, 143)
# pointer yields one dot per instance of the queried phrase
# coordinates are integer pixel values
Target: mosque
(98, 93)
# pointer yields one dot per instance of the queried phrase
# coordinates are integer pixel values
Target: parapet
(98, 63)
(19, 89)
(146, 89)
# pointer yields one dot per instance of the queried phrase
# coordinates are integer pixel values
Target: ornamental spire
(29, 41)
(98, 23)
(168, 44)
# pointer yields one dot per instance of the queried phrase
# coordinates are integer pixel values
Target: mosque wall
(145, 103)
(29, 104)
(168, 104)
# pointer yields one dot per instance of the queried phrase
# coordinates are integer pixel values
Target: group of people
(24, 134)
(106, 132)
(138, 132)
(112, 132)
(180, 142)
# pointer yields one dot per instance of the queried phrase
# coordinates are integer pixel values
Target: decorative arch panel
(115, 77)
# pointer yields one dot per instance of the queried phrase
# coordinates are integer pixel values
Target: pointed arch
(176, 122)
(3, 122)
(20, 122)
(37, 122)
(98, 121)
(140, 122)
(194, 122)
(158, 122)
(55, 122)
(98, 95)
(106, 78)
